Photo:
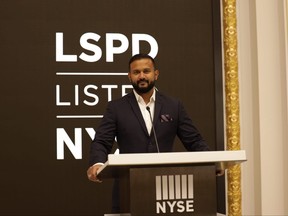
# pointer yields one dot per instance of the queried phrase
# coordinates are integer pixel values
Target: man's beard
(143, 90)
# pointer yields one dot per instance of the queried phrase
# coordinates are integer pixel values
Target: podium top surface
(222, 159)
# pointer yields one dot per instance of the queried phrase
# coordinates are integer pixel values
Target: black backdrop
(36, 179)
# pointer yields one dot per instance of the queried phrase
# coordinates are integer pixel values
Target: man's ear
(157, 72)
(129, 77)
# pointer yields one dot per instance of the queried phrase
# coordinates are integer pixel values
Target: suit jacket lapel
(157, 109)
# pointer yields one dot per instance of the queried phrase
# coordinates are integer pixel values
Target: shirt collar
(139, 98)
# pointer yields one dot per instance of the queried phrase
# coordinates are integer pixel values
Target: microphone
(155, 137)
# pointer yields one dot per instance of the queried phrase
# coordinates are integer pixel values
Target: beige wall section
(263, 105)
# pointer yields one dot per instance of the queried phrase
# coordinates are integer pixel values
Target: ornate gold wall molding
(232, 103)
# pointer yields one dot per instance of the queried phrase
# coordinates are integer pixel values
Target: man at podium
(143, 121)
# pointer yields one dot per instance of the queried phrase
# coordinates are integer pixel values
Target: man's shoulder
(123, 99)
(166, 98)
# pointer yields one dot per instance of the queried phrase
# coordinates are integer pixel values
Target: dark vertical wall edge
(221, 197)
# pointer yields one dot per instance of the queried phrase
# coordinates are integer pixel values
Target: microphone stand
(155, 137)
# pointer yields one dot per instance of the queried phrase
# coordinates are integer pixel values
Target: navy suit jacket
(123, 120)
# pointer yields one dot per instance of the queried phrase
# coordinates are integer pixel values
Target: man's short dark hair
(142, 56)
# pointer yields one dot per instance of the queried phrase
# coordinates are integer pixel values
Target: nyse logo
(174, 193)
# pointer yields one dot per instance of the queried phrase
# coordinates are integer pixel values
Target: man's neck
(146, 97)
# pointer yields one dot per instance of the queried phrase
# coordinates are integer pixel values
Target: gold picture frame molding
(232, 103)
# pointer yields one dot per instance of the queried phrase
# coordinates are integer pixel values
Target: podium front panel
(185, 190)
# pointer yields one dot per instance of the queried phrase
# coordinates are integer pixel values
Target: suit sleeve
(188, 133)
(103, 142)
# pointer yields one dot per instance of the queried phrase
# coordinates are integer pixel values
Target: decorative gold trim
(232, 103)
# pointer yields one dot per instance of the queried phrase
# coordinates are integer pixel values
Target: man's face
(142, 75)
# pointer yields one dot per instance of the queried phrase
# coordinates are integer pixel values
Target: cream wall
(262, 56)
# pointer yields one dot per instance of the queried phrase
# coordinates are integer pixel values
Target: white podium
(182, 183)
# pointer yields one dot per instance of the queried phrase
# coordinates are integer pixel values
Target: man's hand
(220, 172)
(92, 173)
